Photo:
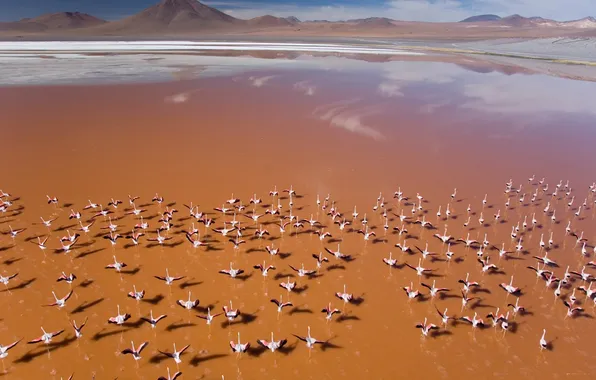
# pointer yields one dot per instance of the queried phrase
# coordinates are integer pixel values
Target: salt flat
(133, 46)
(581, 49)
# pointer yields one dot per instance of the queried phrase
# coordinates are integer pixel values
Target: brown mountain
(53, 21)
(174, 15)
(373, 22)
(269, 21)
(520, 21)
(173, 18)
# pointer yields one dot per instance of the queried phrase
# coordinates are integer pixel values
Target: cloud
(305, 87)
(260, 81)
(341, 114)
(390, 89)
(538, 95)
(181, 97)
(411, 10)
(177, 98)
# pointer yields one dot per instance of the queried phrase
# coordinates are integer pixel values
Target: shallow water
(346, 128)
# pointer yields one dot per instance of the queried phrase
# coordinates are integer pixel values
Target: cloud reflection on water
(305, 87)
(260, 81)
(488, 92)
(473, 85)
(341, 114)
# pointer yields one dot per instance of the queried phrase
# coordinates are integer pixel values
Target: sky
(333, 10)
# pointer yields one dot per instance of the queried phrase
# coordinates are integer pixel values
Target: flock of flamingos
(237, 223)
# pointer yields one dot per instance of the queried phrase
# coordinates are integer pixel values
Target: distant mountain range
(517, 20)
(189, 16)
(53, 21)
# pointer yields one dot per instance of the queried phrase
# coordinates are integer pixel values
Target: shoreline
(534, 48)
(176, 56)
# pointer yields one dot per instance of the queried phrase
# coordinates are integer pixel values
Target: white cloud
(390, 89)
(534, 95)
(538, 95)
(261, 81)
(305, 87)
(343, 115)
(181, 97)
(415, 10)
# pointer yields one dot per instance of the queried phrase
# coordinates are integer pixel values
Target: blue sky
(415, 10)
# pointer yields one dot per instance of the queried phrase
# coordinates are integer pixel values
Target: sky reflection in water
(434, 84)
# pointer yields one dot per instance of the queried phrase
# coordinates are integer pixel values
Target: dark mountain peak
(168, 11)
(172, 16)
(481, 18)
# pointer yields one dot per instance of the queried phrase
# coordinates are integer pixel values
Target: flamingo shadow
(86, 305)
(189, 284)
(327, 345)
(101, 335)
(436, 334)
(286, 350)
(131, 272)
(175, 326)
(279, 276)
(12, 260)
(357, 301)
(86, 283)
(299, 310)
(344, 318)
(88, 253)
(155, 300)
(22, 285)
(196, 360)
(300, 290)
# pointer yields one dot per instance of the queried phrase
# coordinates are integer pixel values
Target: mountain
(481, 18)
(373, 22)
(174, 15)
(584, 23)
(66, 20)
(269, 21)
(520, 21)
(53, 21)
(171, 18)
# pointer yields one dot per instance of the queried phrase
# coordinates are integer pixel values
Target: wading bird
(135, 352)
(60, 302)
(426, 328)
(272, 345)
(46, 337)
(239, 347)
(175, 354)
(78, 329)
(119, 319)
(209, 317)
(280, 304)
(310, 341)
(153, 321)
(4, 349)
